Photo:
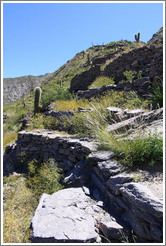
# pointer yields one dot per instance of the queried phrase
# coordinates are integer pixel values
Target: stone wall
(138, 85)
(149, 60)
(134, 205)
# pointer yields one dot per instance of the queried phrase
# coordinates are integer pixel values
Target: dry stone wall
(138, 85)
(149, 60)
(105, 180)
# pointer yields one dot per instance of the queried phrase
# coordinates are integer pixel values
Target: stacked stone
(42, 145)
(110, 186)
(130, 201)
(139, 85)
(141, 59)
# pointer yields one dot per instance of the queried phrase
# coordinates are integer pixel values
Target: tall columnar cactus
(137, 37)
(88, 59)
(37, 100)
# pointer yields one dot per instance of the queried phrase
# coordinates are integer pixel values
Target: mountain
(102, 55)
(16, 88)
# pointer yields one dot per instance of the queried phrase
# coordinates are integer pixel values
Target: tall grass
(65, 105)
(142, 149)
(18, 210)
(21, 195)
(100, 81)
(9, 138)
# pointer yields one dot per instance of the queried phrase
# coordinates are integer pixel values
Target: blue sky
(38, 38)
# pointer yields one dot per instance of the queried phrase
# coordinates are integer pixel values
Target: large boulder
(61, 217)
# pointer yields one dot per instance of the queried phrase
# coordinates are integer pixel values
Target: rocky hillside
(100, 56)
(157, 37)
(16, 88)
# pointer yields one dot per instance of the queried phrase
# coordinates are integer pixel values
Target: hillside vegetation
(90, 119)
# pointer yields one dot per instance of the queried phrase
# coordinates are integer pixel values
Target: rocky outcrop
(61, 217)
(149, 60)
(72, 216)
(157, 38)
(83, 80)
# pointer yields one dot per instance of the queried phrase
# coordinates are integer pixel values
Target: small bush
(36, 122)
(44, 177)
(54, 93)
(156, 96)
(143, 149)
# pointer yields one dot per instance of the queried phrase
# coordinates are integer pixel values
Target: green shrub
(143, 149)
(44, 177)
(36, 122)
(156, 96)
(129, 75)
(52, 123)
(78, 125)
(54, 93)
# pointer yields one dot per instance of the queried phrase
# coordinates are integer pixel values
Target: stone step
(71, 216)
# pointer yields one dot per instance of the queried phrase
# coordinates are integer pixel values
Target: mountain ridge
(16, 88)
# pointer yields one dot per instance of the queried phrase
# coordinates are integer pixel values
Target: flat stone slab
(115, 182)
(114, 109)
(108, 168)
(100, 156)
(142, 198)
(61, 217)
(137, 121)
(135, 112)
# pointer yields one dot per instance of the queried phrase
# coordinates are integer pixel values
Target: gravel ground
(153, 179)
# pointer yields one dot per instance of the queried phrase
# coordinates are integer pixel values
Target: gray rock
(140, 82)
(136, 121)
(156, 232)
(60, 218)
(86, 190)
(114, 109)
(114, 183)
(135, 112)
(100, 156)
(110, 228)
(140, 228)
(96, 194)
(105, 169)
(97, 181)
(79, 174)
(142, 198)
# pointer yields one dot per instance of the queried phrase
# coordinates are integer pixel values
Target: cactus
(137, 37)
(88, 59)
(37, 100)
